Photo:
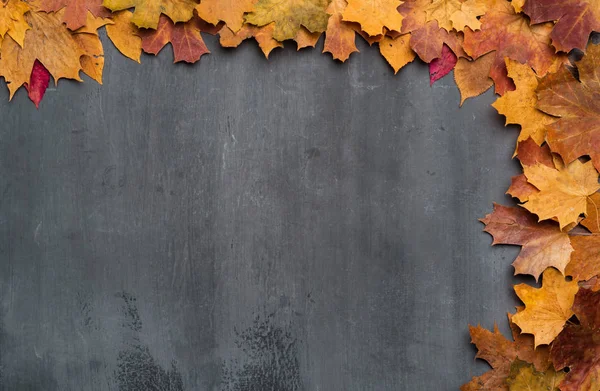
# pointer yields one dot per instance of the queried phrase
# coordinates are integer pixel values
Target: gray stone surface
(249, 225)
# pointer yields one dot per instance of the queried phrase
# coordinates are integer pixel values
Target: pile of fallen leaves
(521, 48)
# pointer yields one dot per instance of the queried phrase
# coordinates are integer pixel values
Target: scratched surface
(244, 225)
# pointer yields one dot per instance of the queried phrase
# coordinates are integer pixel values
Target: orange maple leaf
(75, 10)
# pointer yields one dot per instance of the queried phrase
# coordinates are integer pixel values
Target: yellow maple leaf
(229, 11)
(563, 192)
(374, 15)
(468, 14)
(147, 12)
(546, 308)
(123, 34)
(262, 35)
(12, 20)
(289, 15)
(442, 11)
(519, 106)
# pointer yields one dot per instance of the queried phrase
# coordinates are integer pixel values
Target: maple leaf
(519, 106)
(585, 260)
(592, 220)
(441, 11)
(543, 244)
(397, 51)
(340, 36)
(577, 131)
(563, 192)
(125, 35)
(63, 53)
(185, 39)
(530, 153)
(468, 14)
(427, 39)
(509, 34)
(289, 15)
(524, 376)
(38, 83)
(472, 76)
(546, 308)
(440, 67)
(229, 11)
(75, 14)
(12, 20)
(147, 13)
(306, 39)
(262, 35)
(500, 353)
(575, 20)
(577, 347)
(374, 15)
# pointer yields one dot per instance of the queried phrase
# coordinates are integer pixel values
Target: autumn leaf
(374, 15)
(530, 153)
(519, 106)
(397, 51)
(38, 83)
(577, 130)
(306, 39)
(585, 260)
(229, 11)
(440, 67)
(563, 192)
(523, 376)
(63, 53)
(546, 308)
(575, 20)
(125, 35)
(500, 353)
(577, 347)
(509, 34)
(441, 11)
(543, 244)
(185, 39)
(592, 220)
(289, 15)
(75, 11)
(472, 76)
(147, 13)
(262, 35)
(12, 20)
(340, 38)
(468, 14)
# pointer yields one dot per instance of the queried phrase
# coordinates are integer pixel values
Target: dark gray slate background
(249, 225)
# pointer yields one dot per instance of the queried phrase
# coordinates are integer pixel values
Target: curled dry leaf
(543, 244)
(289, 15)
(547, 308)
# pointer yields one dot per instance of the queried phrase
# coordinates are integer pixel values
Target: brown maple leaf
(500, 353)
(563, 192)
(185, 39)
(577, 131)
(585, 260)
(289, 15)
(147, 13)
(546, 308)
(543, 244)
(262, 35)
(509, 34)
(592, 220)
(575, 20)
(340, 38)
(577, 347)
(75, 14)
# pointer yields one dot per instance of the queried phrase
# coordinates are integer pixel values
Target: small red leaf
(38, 82)
(440, 67)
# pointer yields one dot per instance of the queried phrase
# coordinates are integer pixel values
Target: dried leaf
(147, 13)
(397, 51)
(374, 15)
(229, 11)
(472, 76)
(125, 35)
(75, 11)
(340, 38)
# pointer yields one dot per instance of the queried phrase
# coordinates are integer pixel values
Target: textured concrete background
(245, 225)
